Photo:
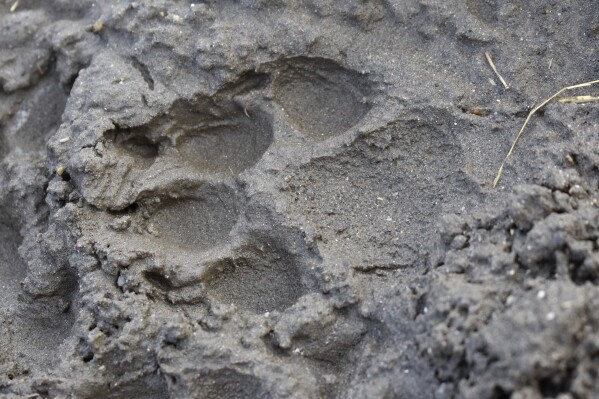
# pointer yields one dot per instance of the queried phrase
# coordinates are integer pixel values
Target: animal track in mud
(136, 144)
(384, 191)
(212, 139)
(321, 98)
(261, 279)
(227, 149)
(198, 223)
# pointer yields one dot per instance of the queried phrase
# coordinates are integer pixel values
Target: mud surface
(292, 199)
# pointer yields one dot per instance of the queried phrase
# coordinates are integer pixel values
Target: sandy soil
(292, 199)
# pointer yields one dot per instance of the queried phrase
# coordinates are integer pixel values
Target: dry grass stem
(578, 99)
(97, 27)
(531, 113)
(490, 60)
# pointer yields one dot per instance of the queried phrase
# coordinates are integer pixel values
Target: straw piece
(578, 99)
(490, 60)
(534, 111)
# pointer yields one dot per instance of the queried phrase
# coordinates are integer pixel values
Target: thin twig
(534, 110)
(490, 60)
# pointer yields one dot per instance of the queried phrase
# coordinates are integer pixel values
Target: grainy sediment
(292, 199)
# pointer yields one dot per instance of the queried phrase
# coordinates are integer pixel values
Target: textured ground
(292, 199)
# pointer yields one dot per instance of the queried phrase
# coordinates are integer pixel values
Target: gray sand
(292, 199)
